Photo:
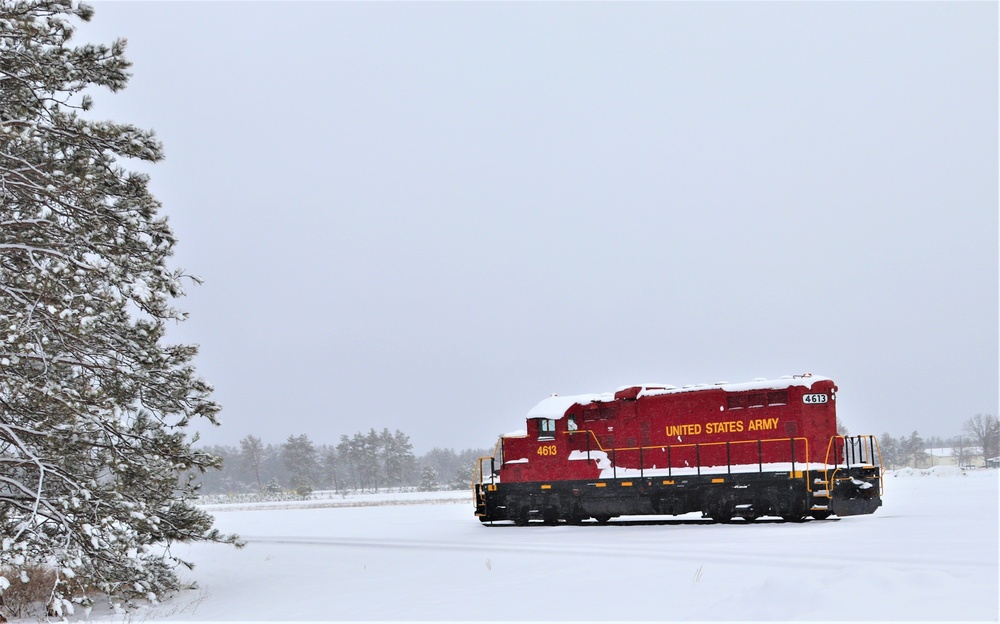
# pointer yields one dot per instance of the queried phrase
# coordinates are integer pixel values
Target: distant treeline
(364, 462)
(978, 443)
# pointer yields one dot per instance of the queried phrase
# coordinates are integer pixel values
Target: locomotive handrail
(697, 446)
(873, 447)
(477, 477)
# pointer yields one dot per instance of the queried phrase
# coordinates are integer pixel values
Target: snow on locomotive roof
(555, 406)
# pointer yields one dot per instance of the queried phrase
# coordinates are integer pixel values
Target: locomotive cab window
(546, 429)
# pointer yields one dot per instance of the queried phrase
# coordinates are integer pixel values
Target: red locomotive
(763, 448)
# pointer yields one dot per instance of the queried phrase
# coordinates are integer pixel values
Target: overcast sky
(431, 216)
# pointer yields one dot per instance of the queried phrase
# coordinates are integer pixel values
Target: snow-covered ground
(930, 553)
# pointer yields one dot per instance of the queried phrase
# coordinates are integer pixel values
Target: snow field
(930, 553)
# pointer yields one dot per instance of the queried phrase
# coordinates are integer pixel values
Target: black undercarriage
(792, 496)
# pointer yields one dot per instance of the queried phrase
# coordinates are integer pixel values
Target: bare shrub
(21, 599)
(32, 599)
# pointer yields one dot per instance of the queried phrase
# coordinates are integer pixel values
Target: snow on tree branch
(93, 403)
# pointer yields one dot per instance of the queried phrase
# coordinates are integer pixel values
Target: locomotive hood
(555, 406)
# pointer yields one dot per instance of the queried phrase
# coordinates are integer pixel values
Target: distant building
(968, 456)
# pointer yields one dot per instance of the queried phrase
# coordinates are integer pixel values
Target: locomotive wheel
(722, 512)
(521, 519)
(820, 515)
(793, 518)
(603, 519)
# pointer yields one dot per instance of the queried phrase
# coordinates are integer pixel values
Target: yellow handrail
(699, 444)
(477, 477)
(831, 446)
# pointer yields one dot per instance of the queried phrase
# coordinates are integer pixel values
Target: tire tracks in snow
(297, 505)
(589, 549)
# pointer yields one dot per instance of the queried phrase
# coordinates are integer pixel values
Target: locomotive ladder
(478, 483)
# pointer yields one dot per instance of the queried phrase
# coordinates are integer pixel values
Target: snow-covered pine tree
(428, 479)
(93, 403)
(396, 455)
(300, 457)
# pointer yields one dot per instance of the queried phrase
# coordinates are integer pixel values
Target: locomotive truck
(743, 450)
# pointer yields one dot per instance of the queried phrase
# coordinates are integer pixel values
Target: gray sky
(432, 216)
